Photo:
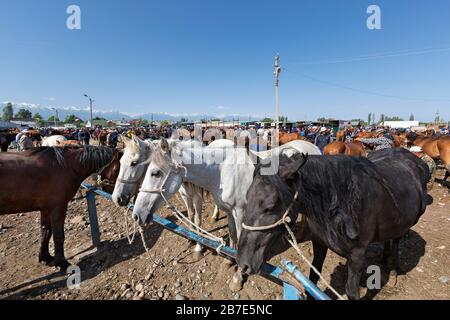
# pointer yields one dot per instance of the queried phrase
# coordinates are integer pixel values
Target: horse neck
(84, 171)
(213, 177)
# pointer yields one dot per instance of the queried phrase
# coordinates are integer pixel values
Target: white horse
(52, 141)
(133, 166)
(228, 180)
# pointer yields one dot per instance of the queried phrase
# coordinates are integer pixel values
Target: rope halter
(285, 220)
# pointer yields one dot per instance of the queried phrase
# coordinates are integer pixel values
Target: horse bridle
(285, 220)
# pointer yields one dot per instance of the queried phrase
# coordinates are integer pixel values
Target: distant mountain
(84, 114)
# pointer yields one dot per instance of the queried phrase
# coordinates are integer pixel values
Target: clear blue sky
(216, 57)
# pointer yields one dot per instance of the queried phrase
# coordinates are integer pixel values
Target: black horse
(348, 203)
(5, 140)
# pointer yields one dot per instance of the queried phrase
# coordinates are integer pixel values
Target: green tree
(411, 117)
(369, 119)
(184, 120)
(99, 119)
(382, 118)
(53, 119)
(164, 123)
(267, 120)
(39, 120)
(24, 114)
(71, 119)
(8, 112)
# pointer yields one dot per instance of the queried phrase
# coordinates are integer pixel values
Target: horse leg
(198, 206)
(355, 265)
(216, 214)
(46, 234)
(238, 280)
(58, 216)
(393, 262)
(320, 252)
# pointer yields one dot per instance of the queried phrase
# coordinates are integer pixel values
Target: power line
(365, 91)
(392, 54)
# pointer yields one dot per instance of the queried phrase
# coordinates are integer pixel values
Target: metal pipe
(267, 269)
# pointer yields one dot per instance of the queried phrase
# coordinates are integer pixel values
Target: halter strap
(284, 220)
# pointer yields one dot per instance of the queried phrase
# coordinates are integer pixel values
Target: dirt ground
(117, 270)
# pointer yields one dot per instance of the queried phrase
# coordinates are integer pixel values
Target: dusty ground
(117, 270)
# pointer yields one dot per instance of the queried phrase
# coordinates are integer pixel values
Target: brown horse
(46, 179)
(102, 138)
(444, 154)
(284, 137)
(355, 149)
(340, 136)
(109, 175)
(68, 143)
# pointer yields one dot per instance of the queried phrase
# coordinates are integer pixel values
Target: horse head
(162, 180)
(272, 204)
(133, 165)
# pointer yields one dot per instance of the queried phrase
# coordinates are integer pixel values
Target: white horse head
(162, 180)
(133, 165)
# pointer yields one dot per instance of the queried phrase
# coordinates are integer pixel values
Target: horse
(284, 137)
(133, 166)
(443, 145)
(53, 141)
(108, 176)
(68, 143)
(344, 215)
(5, 140)
(45, 179)
(355, 149)
(102, 138)
(226, 173)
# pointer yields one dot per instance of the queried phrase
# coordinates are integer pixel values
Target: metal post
(277, 77)
(92, 208)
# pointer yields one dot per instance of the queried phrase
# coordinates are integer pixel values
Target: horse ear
(164, 145)
(123, 138)
(292, 165)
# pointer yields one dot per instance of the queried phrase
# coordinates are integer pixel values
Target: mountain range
(84, 114)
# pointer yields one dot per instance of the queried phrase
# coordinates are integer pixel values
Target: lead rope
(130, 239)
(191, 226)
(285, 220)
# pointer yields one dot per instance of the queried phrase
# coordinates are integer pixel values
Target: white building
(401, 124)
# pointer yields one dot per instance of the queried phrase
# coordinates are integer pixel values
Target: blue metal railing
(294, 281)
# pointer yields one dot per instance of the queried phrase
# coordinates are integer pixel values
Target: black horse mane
(90, 156)
(331, 191)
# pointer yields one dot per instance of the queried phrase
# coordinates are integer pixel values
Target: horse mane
(91, 157)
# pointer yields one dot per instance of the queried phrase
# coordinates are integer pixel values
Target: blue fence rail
(293, 280)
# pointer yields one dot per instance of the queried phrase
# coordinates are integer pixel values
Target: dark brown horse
(109, 175)
(46, 179)
(5, 140)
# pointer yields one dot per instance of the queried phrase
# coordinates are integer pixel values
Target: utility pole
(56, 116)
(277, 73)
(90, 108)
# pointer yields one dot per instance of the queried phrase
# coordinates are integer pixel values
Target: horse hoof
(46, 260)
(236, 284)
(392, 282)
(198, 255)
(63, 265)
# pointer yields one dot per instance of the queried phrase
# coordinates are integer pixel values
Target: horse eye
(156, 174)
(134, 164)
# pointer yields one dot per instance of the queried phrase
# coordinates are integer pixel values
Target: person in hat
(322, 139)
(429, 161)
